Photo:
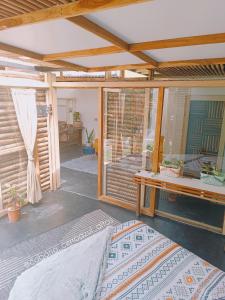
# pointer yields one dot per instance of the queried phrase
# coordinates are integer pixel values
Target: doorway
(78, 136)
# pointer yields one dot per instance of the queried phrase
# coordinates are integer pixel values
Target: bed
(129, 261)
(143, 264)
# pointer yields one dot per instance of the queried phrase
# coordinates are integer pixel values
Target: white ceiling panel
(51, 37)
(107, 60)
(192, 52)
(163, 19)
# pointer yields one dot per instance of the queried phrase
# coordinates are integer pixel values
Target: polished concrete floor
(63, 206)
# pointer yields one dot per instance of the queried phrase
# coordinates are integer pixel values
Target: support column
(53, 133)
(100, 141)
(155, 161)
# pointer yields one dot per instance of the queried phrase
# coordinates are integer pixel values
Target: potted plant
(171, 168)
(89, 149)
(14, 204)
(210, 175)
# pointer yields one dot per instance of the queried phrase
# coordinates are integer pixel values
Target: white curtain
(26, 112)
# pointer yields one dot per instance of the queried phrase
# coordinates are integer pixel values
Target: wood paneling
(43, 144)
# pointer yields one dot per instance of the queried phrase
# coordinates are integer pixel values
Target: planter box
(88, 150)
(212, 179)
(170, 172)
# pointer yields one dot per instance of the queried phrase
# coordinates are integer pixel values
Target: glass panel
(193, 135)
(129, 128)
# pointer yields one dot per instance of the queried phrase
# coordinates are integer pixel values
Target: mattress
(143, 264)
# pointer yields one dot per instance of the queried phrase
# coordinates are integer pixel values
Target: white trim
(22, 83)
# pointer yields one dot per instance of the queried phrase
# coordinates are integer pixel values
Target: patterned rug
(15, 260)
(86, 163)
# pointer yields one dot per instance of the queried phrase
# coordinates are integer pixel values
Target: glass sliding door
(129, 130)
(193, 131)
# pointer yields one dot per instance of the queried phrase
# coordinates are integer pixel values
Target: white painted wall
(87, 105)
(86, 102)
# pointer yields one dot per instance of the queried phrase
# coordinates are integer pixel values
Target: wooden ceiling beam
(152, 45)
(77, 8)
(179, 42)
(94, 28)
(83, 53)
(161, 65)
(39, 57)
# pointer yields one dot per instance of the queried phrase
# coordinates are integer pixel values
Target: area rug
(87, 164)
(15, 260)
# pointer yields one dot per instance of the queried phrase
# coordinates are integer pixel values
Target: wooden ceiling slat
(9, 9)
(68, 10)
(29, 5)
(15, 6)
(34, 5)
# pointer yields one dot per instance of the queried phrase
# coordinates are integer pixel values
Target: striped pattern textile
(143, 264)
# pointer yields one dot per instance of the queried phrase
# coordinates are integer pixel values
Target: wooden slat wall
(42, 145)
(13, 157)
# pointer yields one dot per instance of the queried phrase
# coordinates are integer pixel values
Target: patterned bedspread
(144, 264)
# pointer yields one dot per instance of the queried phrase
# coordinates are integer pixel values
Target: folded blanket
(74, 273)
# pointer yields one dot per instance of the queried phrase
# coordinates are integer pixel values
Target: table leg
(223, 230)
(138, 208)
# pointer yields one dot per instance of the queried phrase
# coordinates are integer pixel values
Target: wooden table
(184, 186)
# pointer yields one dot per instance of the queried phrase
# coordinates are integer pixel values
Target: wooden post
(221, 145)
(138, 204)
(53, 134)
(151, 74)
(223, 229)
(100, 140)
(156, 153)
(1, 200)
(146, 119)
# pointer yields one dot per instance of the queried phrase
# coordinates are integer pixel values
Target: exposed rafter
(77, 8)
(39, 57)
(94, 28)
(180, 42)
(151, 45)
(83, 53)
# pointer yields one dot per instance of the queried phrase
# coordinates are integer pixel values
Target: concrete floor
(62, 206)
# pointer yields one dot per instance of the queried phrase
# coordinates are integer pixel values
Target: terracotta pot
(13, 214)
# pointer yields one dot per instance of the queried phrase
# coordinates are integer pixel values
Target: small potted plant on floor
(14, 204)
(88, 148)
(171, 168)
(210, 175)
